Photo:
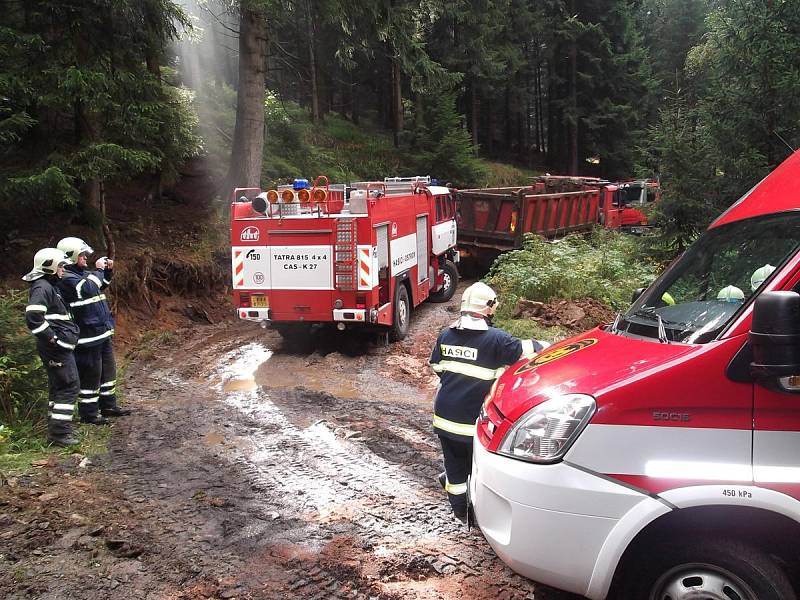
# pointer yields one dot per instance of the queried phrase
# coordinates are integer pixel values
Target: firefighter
(94, 354)
(760, 275)
(468, 356)
(731, 293)
(56, 333)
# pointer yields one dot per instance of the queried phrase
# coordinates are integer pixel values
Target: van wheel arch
(751, 531)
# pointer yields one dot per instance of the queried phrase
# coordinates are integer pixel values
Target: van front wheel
(714, 569)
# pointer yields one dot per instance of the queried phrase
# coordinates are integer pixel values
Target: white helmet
(731, 293)
(46, 262)
(74, 247)
(479, 298)
(760, 275)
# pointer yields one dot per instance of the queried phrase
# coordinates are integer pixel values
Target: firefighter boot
(115, 411)
(460, 514)
(443, 480)
(60, 434)
(95, 419)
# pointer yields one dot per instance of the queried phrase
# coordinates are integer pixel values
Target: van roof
(777, 192)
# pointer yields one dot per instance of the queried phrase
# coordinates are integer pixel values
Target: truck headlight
(545, 432)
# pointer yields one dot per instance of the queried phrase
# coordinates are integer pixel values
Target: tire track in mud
(299, 493)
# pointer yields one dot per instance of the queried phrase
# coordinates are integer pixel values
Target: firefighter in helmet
(760, 275)
(94, 355)
(49, 319)
(731, 293)
(468, 356)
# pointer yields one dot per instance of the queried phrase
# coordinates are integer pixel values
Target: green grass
(604, 265)
(151, 342)
(504, 175)
(26, 445)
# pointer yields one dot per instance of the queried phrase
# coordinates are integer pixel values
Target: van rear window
(696, 298)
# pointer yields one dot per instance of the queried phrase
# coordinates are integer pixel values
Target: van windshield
(704, 289)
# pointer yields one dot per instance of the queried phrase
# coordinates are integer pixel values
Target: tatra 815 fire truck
(658, 458)
(353, 255)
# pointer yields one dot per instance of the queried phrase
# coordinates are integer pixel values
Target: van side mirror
(636, 293)
(775, 335)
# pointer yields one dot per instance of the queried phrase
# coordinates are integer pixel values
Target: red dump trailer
(494, 220)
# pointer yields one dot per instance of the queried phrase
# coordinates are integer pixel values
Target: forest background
(106, 101)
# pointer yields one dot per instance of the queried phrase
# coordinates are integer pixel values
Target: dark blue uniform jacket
(467, 362)
(83, 290)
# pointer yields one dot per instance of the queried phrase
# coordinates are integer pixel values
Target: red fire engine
(354, 255)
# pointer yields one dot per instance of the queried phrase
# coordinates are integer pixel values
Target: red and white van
(659, 457)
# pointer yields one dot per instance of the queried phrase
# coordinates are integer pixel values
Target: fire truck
(352, 255)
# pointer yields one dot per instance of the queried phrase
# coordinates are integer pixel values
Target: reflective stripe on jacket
(83, 289)
(467, 362)
(47, 315)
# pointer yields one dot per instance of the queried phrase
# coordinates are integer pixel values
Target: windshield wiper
(615, 324)
(651, 314)
(662, 331)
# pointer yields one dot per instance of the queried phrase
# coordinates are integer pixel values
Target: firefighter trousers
(63, 386)
(98, 376)
(457, 466)
(108, 376)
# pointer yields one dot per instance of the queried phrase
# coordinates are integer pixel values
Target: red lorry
(358, 255)
(494, 220)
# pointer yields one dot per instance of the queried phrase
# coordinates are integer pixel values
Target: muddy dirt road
(254, 468)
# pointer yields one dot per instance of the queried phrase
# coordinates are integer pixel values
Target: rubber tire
(752, 565)
(400, 330)
(293, 332)
(444, 295)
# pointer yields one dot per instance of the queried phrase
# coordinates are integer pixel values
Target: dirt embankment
(572, 315)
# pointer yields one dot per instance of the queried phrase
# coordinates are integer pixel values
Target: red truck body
(498, 218)
(353, 255)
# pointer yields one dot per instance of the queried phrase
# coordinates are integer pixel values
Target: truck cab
(673, 471)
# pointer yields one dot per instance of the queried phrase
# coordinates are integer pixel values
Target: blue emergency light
(300, 184)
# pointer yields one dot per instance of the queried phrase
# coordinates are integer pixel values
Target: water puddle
(284, 372)
(213, 439)
(237, 368)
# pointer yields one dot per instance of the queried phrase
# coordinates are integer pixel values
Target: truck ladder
(346, 255)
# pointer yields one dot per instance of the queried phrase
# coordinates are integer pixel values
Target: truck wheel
(292, 331)
(449, 283)
(402, 313)
(720, 569)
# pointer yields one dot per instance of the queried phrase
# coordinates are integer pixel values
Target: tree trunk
(86, 134)
(490, 123)
(356, 108)
(397, 102)
(248, 135)
(474, 109)
(539, 112)
(508, 125)
(419, 121)
(111, 246)
(312, 64)
(572, 117)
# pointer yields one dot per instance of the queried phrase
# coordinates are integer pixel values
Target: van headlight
(545, 432)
